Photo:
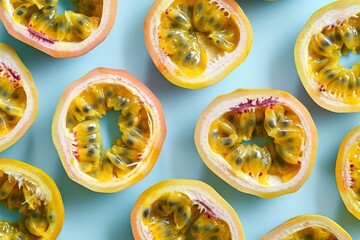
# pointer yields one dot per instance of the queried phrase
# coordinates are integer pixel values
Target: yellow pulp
(174, 216)
(325, 51)
(45, 23)
(83, 123)
(12, 100)
(190, 29)
(280, 156)
(17, 193)
(353, 164)
(312, 233)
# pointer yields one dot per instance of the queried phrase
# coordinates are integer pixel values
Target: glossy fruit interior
(19, 193)
(191, 32)
(277, 158)
(174, 216)
(12, 99)
(313, 232)
(325, 51)
(44, 22)
(83, 123)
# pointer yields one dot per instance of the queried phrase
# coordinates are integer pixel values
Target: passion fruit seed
(185, 24)
(21, 194)
(12, 99)
(325, 51)
(174, 216)
(318, 233)
(46, 24)
(83, 123)
(259, 118)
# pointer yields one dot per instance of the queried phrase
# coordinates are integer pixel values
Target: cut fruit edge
(247, 184)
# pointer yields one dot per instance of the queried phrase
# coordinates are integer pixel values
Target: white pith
(66, 138)
(244, 182)
(216, 62)
(317, 25)
(196, 195)
(31, 98)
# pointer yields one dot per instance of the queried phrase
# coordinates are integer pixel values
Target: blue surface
(94, 216)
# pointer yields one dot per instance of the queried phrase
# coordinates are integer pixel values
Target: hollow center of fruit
(276, 160)
(174, 216)
(108, 129)
(12, 216)
(46, 21)
(335, 76)
(66, 5)
(317, 233)
(191, 32)
(27, 198)
(349, 60)
(12, 99)
(132, 131)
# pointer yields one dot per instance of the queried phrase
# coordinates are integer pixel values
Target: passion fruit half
(308, 226)
(18, 98)
(184, 209)
(196, 43)
(330, 33)
(77, 137)
(35, 195)
(62, 35)
(347, 171)
(262, 142)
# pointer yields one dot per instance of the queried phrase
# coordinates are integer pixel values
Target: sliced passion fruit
(308, 226)
(347, 171)
(62, 35)
(261, 142)
(77, 137)
(35, 195)
(330, 33)
(18, 97)
(196, 43)
(184, 209)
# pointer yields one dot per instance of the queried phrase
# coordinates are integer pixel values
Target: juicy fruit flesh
(187, 25)
(46, 24)
(174, 216)
(281, 157)
(17, 193)
(12, 99)
(325, 51)
(353, 168)
(312, 233)
(83, 123)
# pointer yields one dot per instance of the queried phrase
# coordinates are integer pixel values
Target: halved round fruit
(261, 142)
(37, 198)
(184, 209)
(18, 98)
(196, 43)
(347, 171)
(330, 33)
(308, 226)
(61, 35)
(76, 130)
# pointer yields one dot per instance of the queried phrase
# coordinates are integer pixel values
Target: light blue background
(95, 216)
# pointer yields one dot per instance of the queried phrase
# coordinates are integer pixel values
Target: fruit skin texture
(64, 149)
(59, 49)
(307, 220)
(342, 172)
(218, 164)
(48, 187)
(202, 191)
(10, 57)
(210, 76)
(322, 17)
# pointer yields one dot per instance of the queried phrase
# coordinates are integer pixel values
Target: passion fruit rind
(180, 209)
(19, 191)
(332, 32)
(308, 226)
(264, 144)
